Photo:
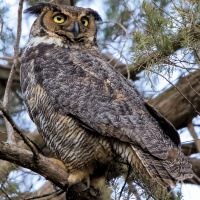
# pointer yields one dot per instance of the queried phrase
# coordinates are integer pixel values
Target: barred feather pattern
(71, 143)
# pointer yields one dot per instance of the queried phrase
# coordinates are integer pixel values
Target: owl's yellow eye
(85, 21)
(59, 18)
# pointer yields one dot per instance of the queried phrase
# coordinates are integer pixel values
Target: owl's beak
(76, 29)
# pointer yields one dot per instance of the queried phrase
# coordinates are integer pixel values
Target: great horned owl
(86, 111)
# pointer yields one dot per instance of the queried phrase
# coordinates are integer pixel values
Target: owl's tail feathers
(155, 168)
(166, 172)
(152, 172)
(144, 174)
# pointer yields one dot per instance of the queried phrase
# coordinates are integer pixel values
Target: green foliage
(11, 188)
(168, 28)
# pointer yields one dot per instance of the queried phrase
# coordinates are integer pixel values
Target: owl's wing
(92, 91)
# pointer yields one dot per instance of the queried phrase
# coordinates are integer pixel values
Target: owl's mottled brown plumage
(86, 111)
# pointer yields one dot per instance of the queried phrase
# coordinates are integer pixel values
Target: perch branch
(47, 169)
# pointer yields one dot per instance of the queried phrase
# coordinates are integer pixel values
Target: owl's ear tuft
(95, 14)
(38, 8)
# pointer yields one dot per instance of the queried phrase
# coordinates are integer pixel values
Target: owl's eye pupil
(59, 18)
(84, 21)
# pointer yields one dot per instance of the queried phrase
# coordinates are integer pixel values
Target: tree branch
(45, 168)
(174, 107)
(15, 127)
(9, 128)
(189, 149)
(196, 169)
(194, 135)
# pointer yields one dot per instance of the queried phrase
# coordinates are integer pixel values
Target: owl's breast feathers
(84, 86)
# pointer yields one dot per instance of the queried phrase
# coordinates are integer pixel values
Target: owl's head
(68, 24)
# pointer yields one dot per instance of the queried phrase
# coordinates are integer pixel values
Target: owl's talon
(88, 184)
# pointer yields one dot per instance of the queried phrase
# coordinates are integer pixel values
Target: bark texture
(46, 168)
(174, 106)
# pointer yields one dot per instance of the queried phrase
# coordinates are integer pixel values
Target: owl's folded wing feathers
(103, 100)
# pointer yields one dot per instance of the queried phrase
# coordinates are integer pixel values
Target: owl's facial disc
(70, 24)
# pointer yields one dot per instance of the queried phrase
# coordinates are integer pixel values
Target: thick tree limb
(196, 168)
(189, 149)
(174, 106)
(121, 67)
(45, 168)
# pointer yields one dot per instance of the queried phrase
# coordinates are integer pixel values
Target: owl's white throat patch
(34, 41)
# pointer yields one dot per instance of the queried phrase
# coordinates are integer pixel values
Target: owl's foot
(87, 179)
(58, 162)
(77, 176)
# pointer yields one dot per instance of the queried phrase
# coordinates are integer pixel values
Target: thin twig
(5, 194)
(10, 137)
(119, 24)
(9, 59)
(15, 127)
(2, 23)
(46, 195)
(126, 38)
(16, 49)
(166, 13)
(126, 180)
(189, 141)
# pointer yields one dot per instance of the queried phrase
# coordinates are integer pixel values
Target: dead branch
(10, 131)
